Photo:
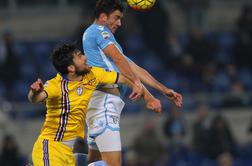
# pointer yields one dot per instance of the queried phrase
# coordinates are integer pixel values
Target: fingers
(175, 97)
(139, 85)
(40, 83)
(154, 105)
(136, 93)
(37, 86)
(178, 100)
(135, 96)
(178, 104)
(158, 107)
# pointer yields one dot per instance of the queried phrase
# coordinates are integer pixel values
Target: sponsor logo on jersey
(105, 34)
(79, 90)
(92, 82)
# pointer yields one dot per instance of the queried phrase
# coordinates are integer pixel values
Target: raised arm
(36, 93)
(148, 79)
(123, 65)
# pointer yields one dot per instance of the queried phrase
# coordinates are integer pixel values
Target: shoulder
(95, 28)
(96, 70)
(102, 73)
(91, 77)
(54, 81)
(99, 70)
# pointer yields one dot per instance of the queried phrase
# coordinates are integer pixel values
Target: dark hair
(108, 6)
(62, 57)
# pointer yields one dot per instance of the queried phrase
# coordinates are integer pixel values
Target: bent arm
(37, 93)
(36, 97)
(121, 62)
(148, 79)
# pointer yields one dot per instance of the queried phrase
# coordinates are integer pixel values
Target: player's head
(110, 12)
(68, 58)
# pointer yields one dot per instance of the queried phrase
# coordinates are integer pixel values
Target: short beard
(82, 72)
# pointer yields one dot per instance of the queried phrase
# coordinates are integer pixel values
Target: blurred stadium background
(201, 48)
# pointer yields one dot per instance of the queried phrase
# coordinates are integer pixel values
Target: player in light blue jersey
(103, 116)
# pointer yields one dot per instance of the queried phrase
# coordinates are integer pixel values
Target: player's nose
(119, 23)
(84, 58)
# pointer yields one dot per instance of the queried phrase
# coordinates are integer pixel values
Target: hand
(154, 104)
(37, 86)
(137, 91)
(175, 97)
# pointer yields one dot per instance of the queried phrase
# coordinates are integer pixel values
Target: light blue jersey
(104, 109)
(95, 39)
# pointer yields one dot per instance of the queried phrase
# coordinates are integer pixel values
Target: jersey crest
(79, 90)
(105, 34)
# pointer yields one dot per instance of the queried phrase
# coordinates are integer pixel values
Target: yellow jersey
(67, 101)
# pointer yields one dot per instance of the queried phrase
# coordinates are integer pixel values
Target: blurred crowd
(212, 142)
(9, 154)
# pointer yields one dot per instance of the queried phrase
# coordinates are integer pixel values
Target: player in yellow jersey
(67, 96)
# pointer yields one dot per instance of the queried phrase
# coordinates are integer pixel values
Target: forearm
(125, 69)
(124, 80)
(35, 98)
(148, 79)
(147, 95)
(31, 97)
(137, 88)
(151, 102)
(121, 62)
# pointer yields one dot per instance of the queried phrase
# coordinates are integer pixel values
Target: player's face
(80, 64)
(114, 20)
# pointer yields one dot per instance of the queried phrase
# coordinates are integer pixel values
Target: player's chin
(114, 30)
(88, 68)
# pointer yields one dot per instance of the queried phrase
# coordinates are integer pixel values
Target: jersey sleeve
(51, 89)
(104, 76)
(103, 39)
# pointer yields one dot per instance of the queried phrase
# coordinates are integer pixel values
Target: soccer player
(103, 116)
(67, 96)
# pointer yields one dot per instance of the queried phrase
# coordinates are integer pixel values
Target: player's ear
(103, 17)
(71, 68)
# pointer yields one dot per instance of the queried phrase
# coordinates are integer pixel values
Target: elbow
(29, 98)
(32, 100)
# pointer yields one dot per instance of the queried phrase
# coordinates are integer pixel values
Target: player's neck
(100, 22)
(74, 77)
